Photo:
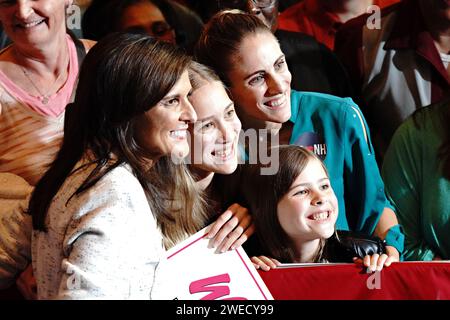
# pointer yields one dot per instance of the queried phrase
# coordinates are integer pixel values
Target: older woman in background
(38, 73)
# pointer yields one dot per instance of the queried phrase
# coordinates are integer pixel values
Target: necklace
(45, 98)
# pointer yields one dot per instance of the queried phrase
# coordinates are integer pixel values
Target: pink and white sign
(195, 272)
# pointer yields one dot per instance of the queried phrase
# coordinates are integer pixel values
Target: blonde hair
(184, 218)
(199, 75)
(182, 210)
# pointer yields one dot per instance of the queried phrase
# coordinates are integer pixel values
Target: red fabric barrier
(405, 280)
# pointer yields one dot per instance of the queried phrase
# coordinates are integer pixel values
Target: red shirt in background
(311, 18)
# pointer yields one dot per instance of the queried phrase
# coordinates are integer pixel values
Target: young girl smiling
(295, 212)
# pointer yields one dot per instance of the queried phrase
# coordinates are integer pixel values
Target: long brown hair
(180, 204)
(263, 192)
(121, 78)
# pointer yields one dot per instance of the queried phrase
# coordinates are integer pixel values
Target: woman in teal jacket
(249, 61)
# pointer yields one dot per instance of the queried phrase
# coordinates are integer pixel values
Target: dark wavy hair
(262, 193)
(221, 38)
(122, 77)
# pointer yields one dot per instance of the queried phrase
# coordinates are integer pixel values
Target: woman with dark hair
(98, 210)
(313, 66)
(248, 59)
(416, 171)
(38, 73)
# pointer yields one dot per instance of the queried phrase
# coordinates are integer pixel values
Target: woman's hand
(231, 229)
(376, 262)
(265, 263)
